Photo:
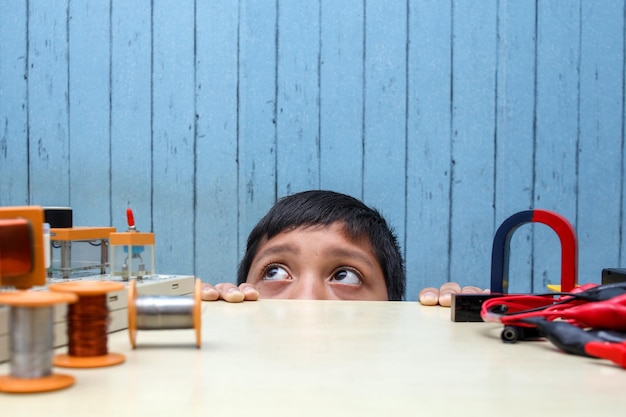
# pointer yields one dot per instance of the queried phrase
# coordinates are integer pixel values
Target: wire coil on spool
(31, 340)
(87, 325)
(164, 312)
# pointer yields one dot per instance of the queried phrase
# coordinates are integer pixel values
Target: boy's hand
(432, 296)
(229, 292)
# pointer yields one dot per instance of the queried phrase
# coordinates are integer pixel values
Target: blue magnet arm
(500, 250)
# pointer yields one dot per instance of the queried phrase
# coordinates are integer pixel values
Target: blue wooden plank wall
(448, 116)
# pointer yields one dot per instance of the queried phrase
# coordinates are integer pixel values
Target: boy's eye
(346, 276)
(275, 272)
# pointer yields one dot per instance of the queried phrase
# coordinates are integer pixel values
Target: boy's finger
(470, 289)
(230, 292)
(250, 293)
(446, 291)
(209, 293)
(429, 296)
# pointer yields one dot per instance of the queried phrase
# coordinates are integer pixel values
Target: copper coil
(87, 324)
(16, 247)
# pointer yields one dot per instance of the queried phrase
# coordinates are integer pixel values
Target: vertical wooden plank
(48, 103)
(429, 144)
(13, 104)
(131, 113)
(257, 113)
(622, 219)
(173, 136)
(473, 129)
(385, 110)
(89, 92)
(558, 60)
(216, 253)
(515, 131)
(298, 96)
(341, 96)
(600, 147)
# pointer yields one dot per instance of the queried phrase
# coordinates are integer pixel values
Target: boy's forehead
(336, 228)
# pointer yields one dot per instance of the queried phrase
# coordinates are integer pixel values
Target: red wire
(517, 307)
(607, 314)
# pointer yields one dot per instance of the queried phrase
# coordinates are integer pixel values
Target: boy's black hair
(320, 207)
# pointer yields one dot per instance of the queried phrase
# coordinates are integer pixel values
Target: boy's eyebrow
(348, 253)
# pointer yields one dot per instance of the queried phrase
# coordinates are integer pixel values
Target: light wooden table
(332, 358)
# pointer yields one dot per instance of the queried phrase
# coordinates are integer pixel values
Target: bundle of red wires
(587, 306)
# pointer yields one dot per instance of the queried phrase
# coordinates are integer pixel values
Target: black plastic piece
(603, 292)
(613, 275)
(466, 307)
(58, 217)
(512, 334)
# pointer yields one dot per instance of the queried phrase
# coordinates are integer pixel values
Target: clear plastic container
(132, 255)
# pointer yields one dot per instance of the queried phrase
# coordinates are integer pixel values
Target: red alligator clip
(615, 352)
(608, 314)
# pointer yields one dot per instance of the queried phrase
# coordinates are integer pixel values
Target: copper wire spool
(31, 341)
(87, 325)
(164, 312)
(87, 321)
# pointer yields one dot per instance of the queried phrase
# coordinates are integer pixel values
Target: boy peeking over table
(324, 245)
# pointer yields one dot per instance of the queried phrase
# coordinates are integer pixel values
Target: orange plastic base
(67, 361)
(132, 313)
(86, 287)
(35, 298)
(11, 384)
(197, 312)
